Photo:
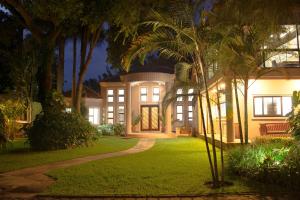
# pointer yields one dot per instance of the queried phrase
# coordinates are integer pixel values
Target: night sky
(96, 67)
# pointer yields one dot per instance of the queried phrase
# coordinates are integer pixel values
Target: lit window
(110, 114)
(179, 92)
(121, 93)
(286, 105)
(179, 113)
(110, 96)
(121, 112)
(68, 110)
(143, 94)
(272, 106)
(94, 115)
(155, 95)
(191, 91)
(223, 109)
(190, 113)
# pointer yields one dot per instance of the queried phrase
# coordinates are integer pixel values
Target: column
(128, 108)
(168, 128)
(229, 110)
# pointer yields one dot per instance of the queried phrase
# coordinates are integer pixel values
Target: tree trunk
(246, 110)
(45, 78)
(206, 139)
(221, 134)
(200, 63)
(60, 65)
(85, 60)
(74, 71)
(238, 110)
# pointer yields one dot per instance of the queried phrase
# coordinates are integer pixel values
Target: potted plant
(135, 121)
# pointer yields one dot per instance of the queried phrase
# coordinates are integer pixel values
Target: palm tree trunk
(246, 110)
(221, 135)
(60, 65)
(200, 63)
(238, 110)
(74, 70)
(206, 139)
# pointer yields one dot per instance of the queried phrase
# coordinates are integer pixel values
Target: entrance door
(150, 121)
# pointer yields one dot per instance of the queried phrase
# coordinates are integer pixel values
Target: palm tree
(243, 30)
(179, 37)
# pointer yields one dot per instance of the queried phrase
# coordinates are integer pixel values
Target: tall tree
(178, 35)
(45, 21)
(244, 30)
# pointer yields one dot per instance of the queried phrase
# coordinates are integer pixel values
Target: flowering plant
(294, 116)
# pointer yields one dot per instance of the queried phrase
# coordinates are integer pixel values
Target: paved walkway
(203, 197)
(26, 183)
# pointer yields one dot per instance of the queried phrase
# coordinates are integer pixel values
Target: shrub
(3, 137)
(119, 129)
(111, 129)
(10, 111)
(105, 129)
(294, 116)
(271, 161)
(60, 130)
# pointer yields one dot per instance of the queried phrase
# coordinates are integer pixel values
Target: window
(121, 93)
(110, 114)
(223, 109)
(94, 115)
(68, 110)
(121, 112)
(179, 92)
(285, 52)
(191, 91)
(272, 106)
(190, 113)
(110, 96)
(179, 113)
(155, 95)
(143, 94)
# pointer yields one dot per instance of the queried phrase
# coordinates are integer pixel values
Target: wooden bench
(274, 129)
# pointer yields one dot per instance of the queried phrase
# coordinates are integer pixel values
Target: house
(91, 102)
(135, 99)
(269, 96)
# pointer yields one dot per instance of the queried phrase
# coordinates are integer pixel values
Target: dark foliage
(274, 161)
(56, 129)
(111, 130)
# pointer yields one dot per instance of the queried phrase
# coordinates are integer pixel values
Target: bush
(112, 129)
(274, 161)
(3, 137)
(60, 130)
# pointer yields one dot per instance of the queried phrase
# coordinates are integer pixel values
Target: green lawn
(172, 166)
(19, 155)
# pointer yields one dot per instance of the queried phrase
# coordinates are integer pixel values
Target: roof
(155, 65)
(86, 93)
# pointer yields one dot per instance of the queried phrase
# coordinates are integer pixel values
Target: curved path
(26, 183)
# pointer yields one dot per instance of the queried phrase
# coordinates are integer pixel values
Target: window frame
(190, 97)
(113, 115)
(110, 96)
(179, 113)
(155, 94)
(180, 98)
(143, 94)
(121, 95)
(93, 115)
(121, 113)
(269, 115)
(190, 119)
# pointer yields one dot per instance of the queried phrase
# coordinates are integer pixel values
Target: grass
(171, 167)
(18, 155)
